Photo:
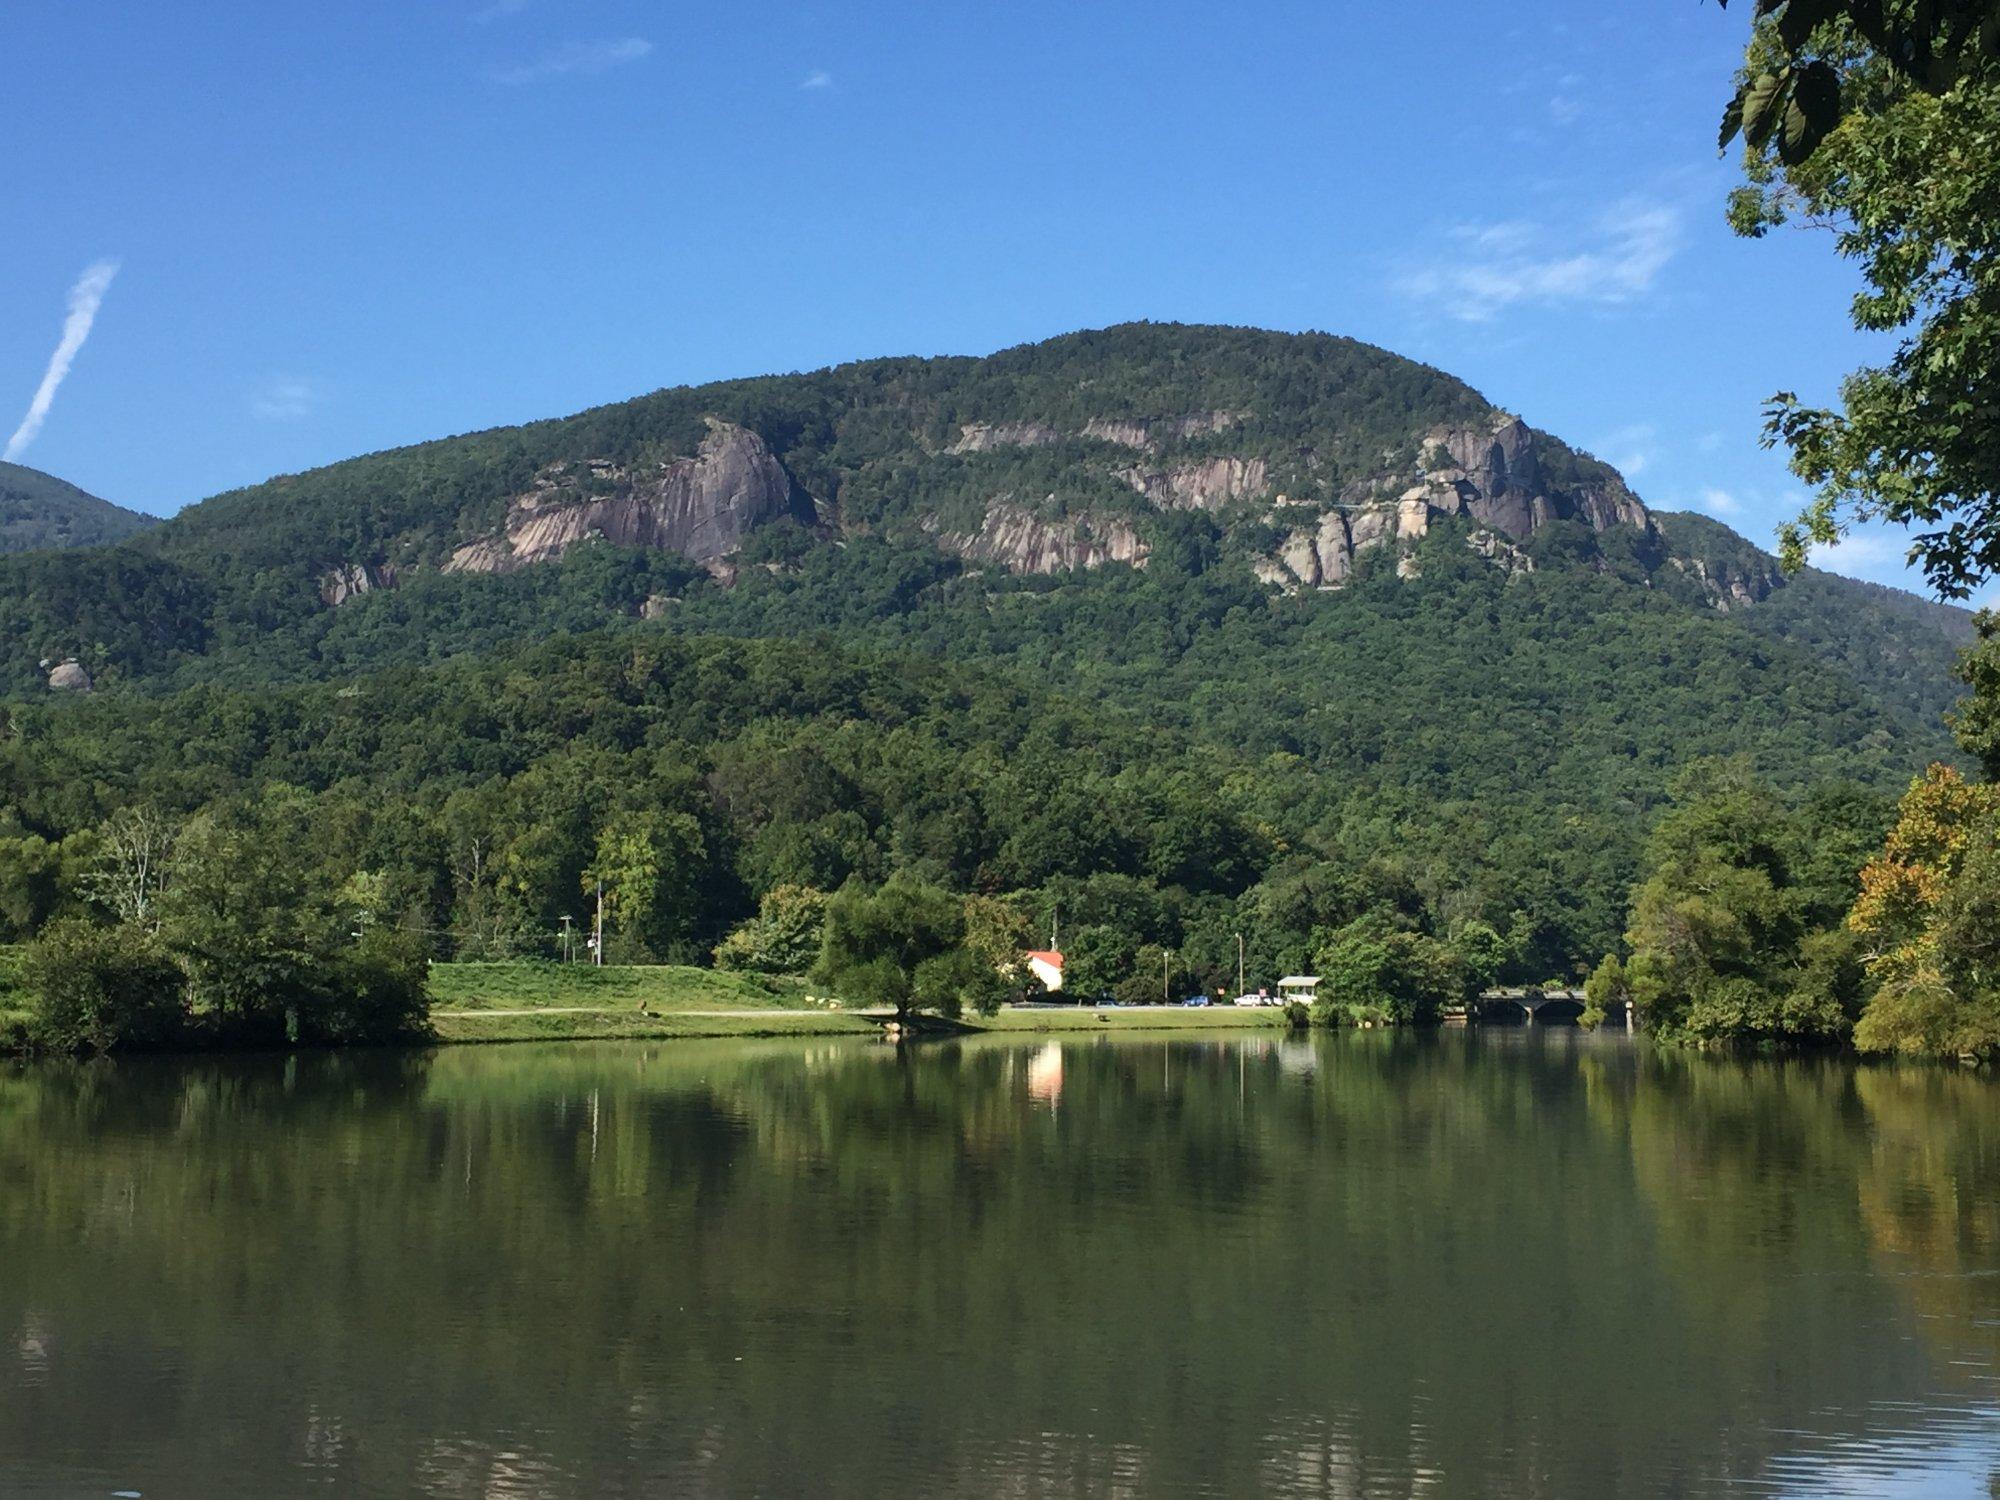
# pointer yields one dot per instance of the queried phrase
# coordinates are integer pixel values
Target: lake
(1498, 1261)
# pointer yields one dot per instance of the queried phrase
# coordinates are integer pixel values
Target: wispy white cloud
(285, 398)
(84, 300)
(1630, 449)
(499, 10)
(1862, 553)
(1719, 502)
(1564, 108)
(1613, 261)
(578, 57)
(819, 78)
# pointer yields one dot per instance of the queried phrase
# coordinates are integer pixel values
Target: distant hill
(39, 511)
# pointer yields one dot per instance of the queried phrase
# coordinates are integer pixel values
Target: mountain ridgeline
(1359, 616)
(39, 511)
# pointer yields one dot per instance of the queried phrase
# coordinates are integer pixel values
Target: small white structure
(1299, 987)
(1047, 966)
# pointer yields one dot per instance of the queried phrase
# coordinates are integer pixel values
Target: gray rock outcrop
(68, 676)
(701, 507)
(352, 580)
(1147, 433)
(981, 437)
(1014, 538)
(1201, 484)
(1490, 475)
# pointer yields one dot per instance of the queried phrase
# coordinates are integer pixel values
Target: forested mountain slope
(1387, 626)
(38, 510)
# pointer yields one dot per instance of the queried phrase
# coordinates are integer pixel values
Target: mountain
(1286, 456)
(38, 510)
(1276, 605)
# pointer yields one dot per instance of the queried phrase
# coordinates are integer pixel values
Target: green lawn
(538, 1001)
(600, 1026)
(661, 987)
(1084, 1018)
(518, 1002)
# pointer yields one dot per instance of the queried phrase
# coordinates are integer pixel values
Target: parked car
(1195, 1000)
(1248, 1000)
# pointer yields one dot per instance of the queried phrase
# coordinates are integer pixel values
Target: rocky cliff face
(351, 580)
(1142, 433)
(1201, 484)
(1490, 475)
(702, 507)
(1014, 538)
(1730, 586)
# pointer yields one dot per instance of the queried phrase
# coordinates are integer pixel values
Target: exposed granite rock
(978, 437)
(1490, 475)
(1202, 484)
(1146, 433)
(1732, 587)
(1498, 478)
(1499, 482)
(1022, 542)
(352, 580)
(701, 507)
(1268, 571)
(68, 676)
(1498, 550)
(1142, 433)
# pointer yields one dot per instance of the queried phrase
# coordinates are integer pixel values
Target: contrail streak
(84, 300)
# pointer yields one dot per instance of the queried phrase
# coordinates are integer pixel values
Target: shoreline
(487, 1027)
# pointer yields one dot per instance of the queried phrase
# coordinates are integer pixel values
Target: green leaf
(1814, 110)
(1761, 99)
(1800, 20)
(1732, 121)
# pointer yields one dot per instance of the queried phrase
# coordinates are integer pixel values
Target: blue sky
(338, 229)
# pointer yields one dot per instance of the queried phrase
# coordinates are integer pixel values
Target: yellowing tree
(1926, 913)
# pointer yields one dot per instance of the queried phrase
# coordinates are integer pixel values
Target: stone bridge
(1533, 1001)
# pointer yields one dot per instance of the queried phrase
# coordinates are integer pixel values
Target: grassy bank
(520, 1002)
(514, 1002)
(607, 1026)
(547, 1002)
(1084, 1018)
(662, 987)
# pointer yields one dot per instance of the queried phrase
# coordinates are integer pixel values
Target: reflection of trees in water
(725, 1266)
(1929, 1180)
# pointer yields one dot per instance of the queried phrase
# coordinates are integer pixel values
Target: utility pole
(597, 942)
(1239, 963)
(1166, 991)
(1055, 927)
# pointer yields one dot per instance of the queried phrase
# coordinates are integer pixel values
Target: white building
(1047, 966)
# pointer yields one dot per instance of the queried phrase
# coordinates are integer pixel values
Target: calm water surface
(1477, 1264)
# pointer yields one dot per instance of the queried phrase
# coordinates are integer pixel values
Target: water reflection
(1535, 1264)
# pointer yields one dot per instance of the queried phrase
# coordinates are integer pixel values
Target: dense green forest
(1440, 774)
(41, 512)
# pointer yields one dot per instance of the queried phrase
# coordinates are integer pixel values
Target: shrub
(373, 992)
(102, 989)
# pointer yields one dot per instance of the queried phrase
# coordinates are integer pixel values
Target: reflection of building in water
(1045, 1075)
